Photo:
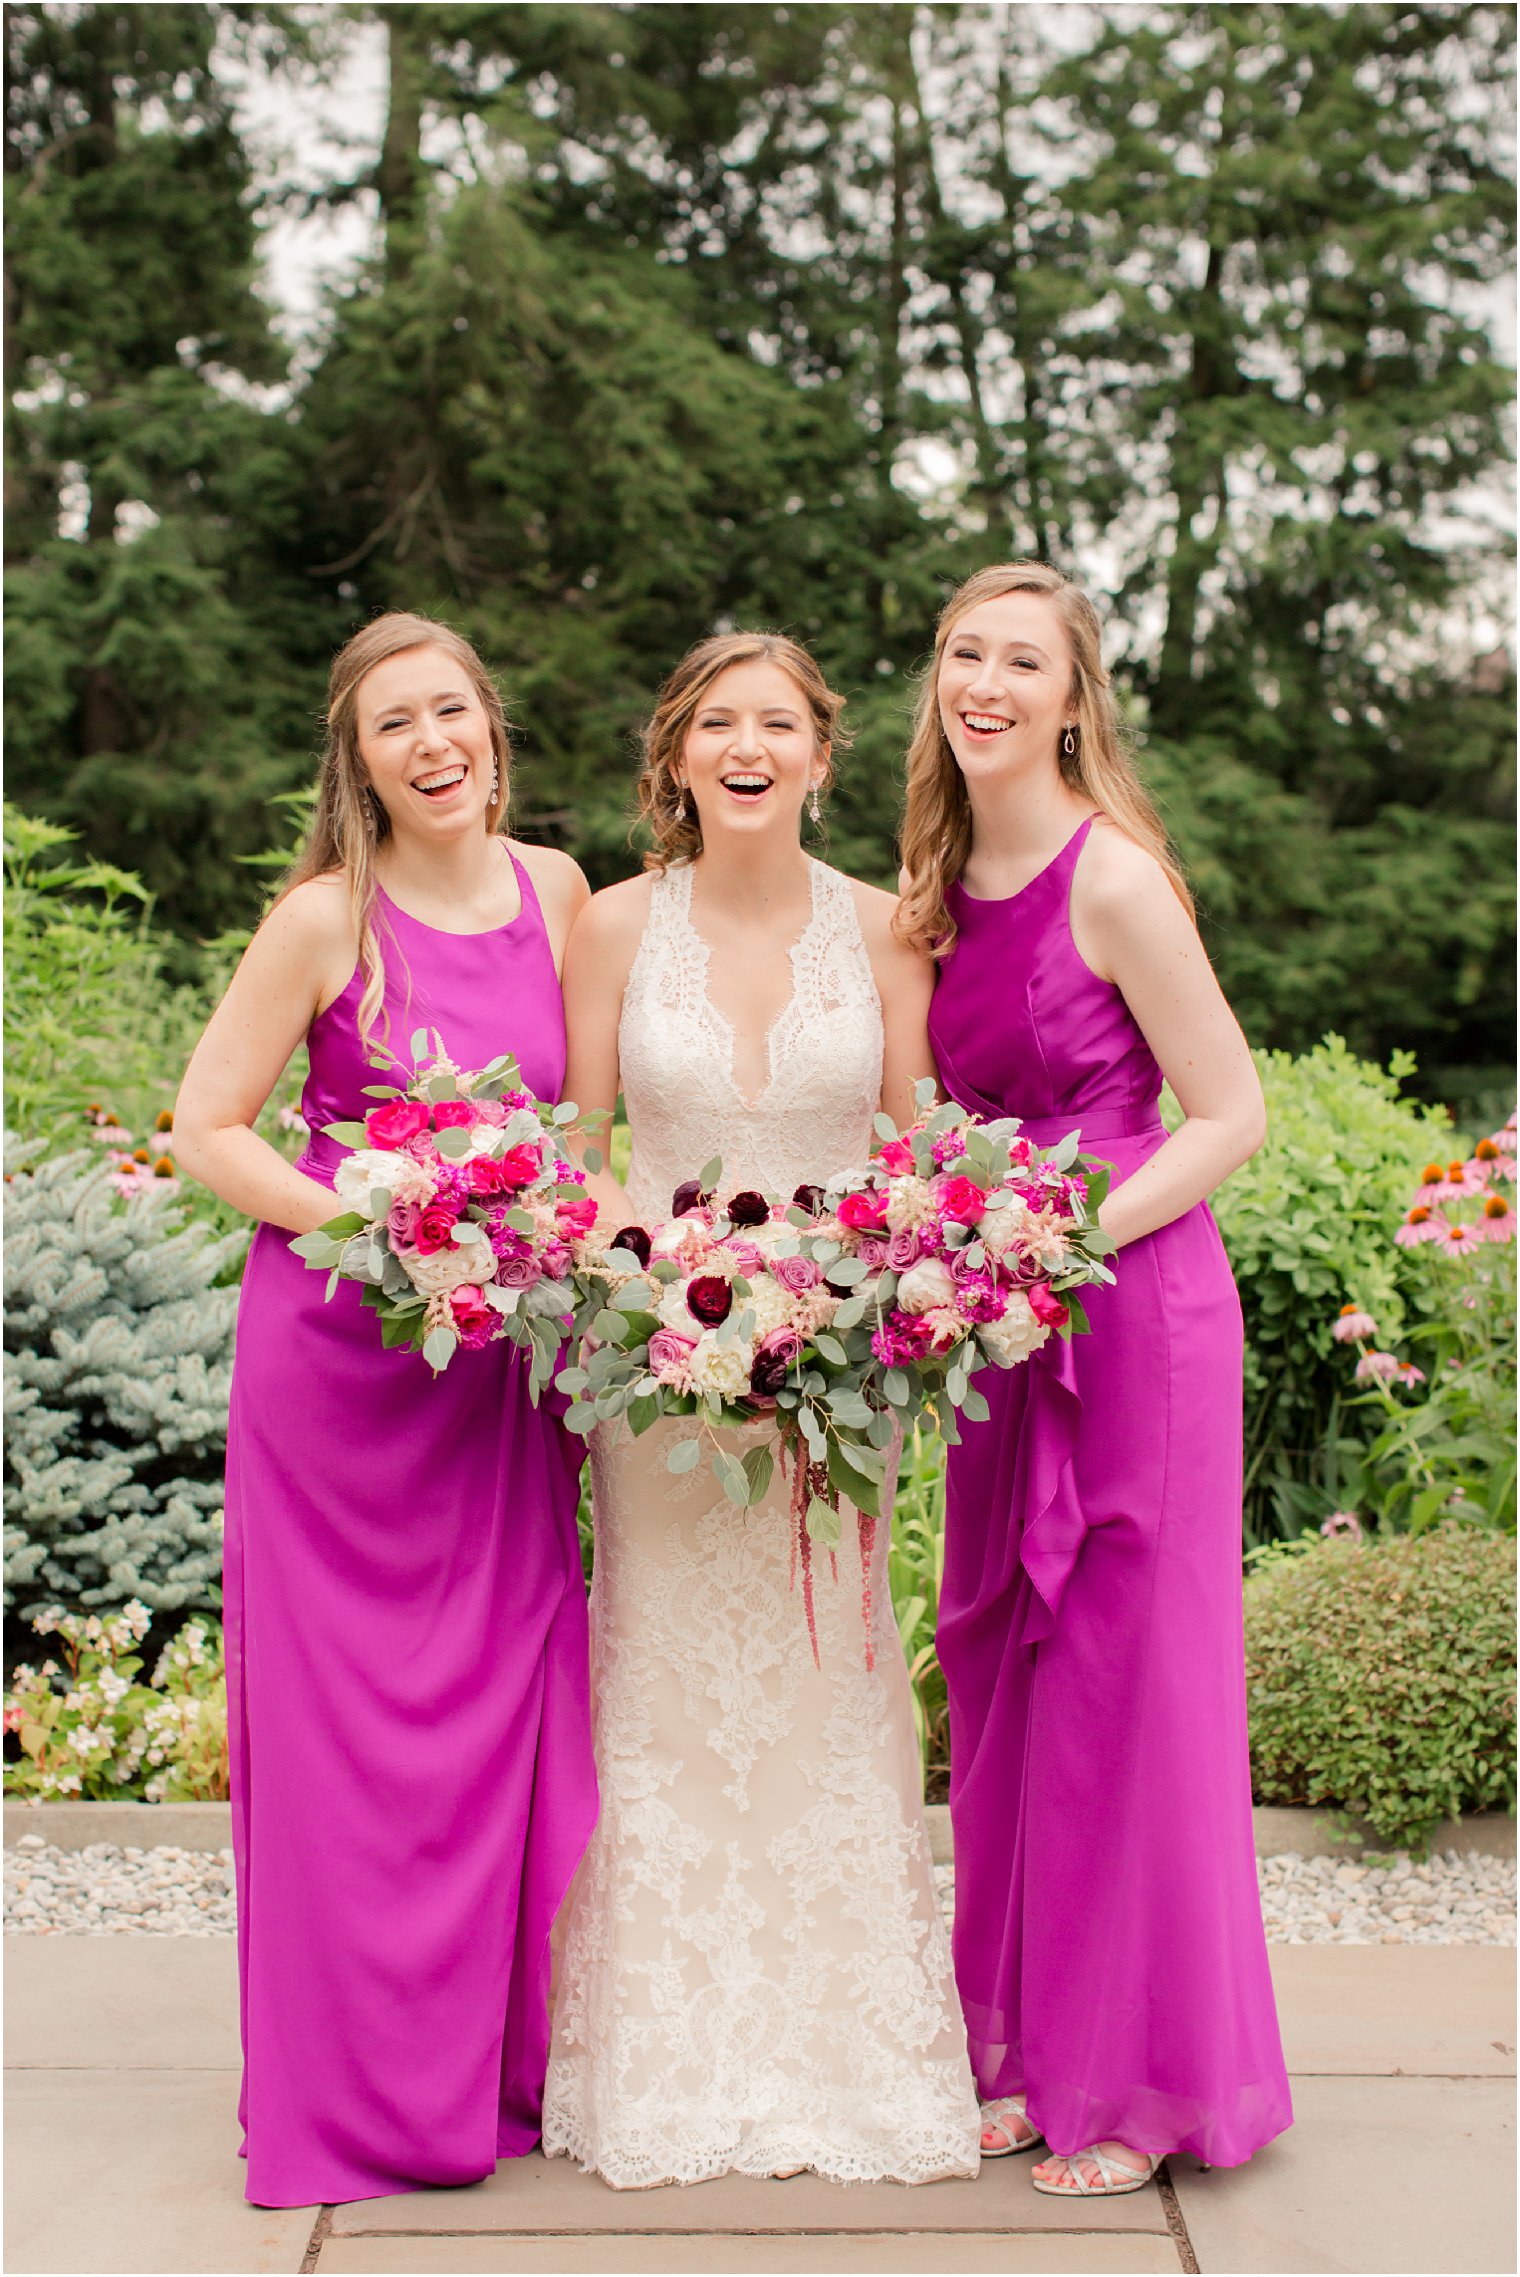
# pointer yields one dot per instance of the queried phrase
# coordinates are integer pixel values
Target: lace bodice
(676, 1051)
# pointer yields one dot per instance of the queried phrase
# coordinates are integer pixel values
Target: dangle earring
(495, 781)
(813, 809)
(1069, 741)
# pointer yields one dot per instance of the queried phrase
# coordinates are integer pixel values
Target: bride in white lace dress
(754, 1975)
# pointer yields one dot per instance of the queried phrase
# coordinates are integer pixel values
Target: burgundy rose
(749, 1209)
(688, 1197)
(396, 1122)
(435, 1227)
(634, 1238)
(709, 1298)
(809, 1198)
(796, 1274)
(775, 1357)
(454, 1115)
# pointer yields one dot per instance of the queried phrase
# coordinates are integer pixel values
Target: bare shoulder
(612, 921)
(1115, 878)
(556, 877)
(313, 919)
(876, 910)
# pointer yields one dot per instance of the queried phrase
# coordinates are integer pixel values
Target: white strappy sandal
(997, 2115)
(1115, 2178)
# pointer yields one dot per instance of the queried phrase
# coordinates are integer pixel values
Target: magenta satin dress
(1108, 1937)
(412, 1778)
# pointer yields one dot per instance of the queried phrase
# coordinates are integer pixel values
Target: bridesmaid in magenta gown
(1108, 1936)
(412, 1781)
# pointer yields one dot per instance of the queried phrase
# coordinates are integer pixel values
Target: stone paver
(1377, 2174)
(114, 2174)
(122, 2136)
(553, 2196)
(874, 2253)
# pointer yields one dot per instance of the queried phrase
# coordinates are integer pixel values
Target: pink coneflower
(1458, 1240)
(1497, 1222)
(1343, 1525)
(1381, 1366)
(1353, 1327)
(1421, 1224)
(1505, 1140)
(1409, 1373)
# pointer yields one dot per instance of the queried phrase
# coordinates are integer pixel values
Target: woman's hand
(1128, 926)
(300, 959)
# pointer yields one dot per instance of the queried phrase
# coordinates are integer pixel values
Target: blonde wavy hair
(662, 801)
(936, 832)
(349, 824)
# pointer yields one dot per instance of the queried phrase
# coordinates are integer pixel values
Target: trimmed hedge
(1381, 1679)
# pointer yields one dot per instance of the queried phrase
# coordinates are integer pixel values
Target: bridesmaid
(412, 1783)
(1108, 1936)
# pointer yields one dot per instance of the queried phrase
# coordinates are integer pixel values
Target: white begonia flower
(925, 1286)
(447, 1269)
(1017, 1334)
(722, 1369)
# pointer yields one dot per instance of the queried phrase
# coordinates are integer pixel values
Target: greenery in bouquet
(843, 1315)
(462, 1217)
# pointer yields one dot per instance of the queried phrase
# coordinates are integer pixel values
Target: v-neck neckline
(720, 1019)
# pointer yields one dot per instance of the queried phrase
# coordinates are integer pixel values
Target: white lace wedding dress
(754, 1972)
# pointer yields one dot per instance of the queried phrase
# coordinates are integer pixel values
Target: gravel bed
(1448, 1899)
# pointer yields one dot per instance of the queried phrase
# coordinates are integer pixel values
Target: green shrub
(88, 1729)
(1381, 1678)
(118, 1361)
(1308, 1224)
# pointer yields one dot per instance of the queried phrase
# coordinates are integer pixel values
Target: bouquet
(843, 1315)
(462, 1215)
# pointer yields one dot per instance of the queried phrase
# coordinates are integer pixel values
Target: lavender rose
(796, 1274)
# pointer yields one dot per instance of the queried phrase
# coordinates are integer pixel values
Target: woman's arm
(598, 960)
(1129, 927)
(301, 958)
(905, 984)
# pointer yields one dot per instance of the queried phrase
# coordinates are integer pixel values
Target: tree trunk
(399, 175)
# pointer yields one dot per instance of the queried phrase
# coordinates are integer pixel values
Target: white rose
(1017, 1334)
(447, 1269)
(926, 1285)
(722, 1369)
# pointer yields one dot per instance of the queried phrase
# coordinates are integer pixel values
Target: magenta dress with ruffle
(1108, 1936)
(407, 1665)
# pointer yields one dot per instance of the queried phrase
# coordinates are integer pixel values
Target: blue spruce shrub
(118, 1362)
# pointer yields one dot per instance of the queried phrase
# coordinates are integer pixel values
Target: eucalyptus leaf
(684, 1456)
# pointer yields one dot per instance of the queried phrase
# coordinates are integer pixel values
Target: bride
(755, 1978)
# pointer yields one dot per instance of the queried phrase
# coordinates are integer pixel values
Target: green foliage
(88, 1729)
(1381, 1679)
(1308, 1223)
(89, 1015)
(915, 1569)
(118, 1362)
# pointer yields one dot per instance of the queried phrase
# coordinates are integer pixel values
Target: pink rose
(435, 1227)
(483, 1176)
(864, 1213)
(575, 1214)
(903, 1250)
(960, 1199)
(896, 1157)
(749, 1259)
(454, 1115)
(796, 1274)
(470, 1310)
(670, 1357)
(396, 1122)
(489, 1111)
(1046, 1305)
(873, 1253)
(520, 1165)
